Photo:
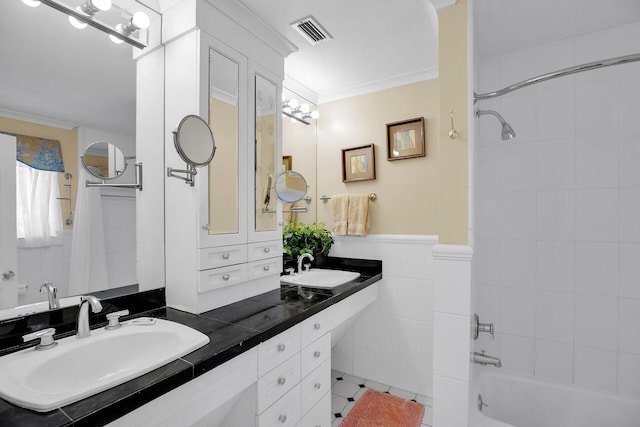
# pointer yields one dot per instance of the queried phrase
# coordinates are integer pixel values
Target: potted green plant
(299, 238)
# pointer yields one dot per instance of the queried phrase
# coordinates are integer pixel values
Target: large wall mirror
(299, 154)
(224, 184)
(265, 140)
(78, 87)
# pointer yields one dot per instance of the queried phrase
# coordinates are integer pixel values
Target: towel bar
(372, 197)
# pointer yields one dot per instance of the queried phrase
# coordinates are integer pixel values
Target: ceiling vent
(311, 30)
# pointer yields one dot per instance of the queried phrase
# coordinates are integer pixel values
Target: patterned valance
(39, 153)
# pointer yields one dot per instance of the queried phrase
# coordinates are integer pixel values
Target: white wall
(392, 342)
(557, 230)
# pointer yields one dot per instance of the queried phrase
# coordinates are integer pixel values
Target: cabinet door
(265, 123)
(223, 206)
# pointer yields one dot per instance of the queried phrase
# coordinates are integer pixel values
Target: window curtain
(39, 218)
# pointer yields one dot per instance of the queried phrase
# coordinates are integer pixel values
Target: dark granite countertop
(233, 329)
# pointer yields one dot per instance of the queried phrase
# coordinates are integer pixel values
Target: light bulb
(140, 20)
(103, 5)
(76, 22)
(305, 108)
(115, 39)
(31, 3)
(314, 114)
(286, 109)
(293, 103)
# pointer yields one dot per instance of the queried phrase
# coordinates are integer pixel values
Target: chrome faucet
(52, 293)
(485, 359)
(83, 314)
(301, 258)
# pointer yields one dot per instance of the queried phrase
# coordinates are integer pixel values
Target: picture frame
(359, 163)
(406, 139)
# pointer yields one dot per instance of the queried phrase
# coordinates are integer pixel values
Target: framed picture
(287, 163)
(359, 163)
(406, 139)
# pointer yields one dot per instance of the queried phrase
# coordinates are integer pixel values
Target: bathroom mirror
(291, 186)
(194, 141)
(103, 160)
(265, 149)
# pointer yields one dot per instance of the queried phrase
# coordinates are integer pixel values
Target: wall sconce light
(82, 16)
(301, 113)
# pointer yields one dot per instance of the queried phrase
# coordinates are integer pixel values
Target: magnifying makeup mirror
(195, 145)
(105, 161)
(290, 186)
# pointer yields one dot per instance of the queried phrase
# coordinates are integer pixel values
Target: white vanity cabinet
(223, 235)
(294, 370)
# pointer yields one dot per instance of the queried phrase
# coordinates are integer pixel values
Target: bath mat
(375, 409)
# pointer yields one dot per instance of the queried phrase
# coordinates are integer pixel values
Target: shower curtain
(88, 269)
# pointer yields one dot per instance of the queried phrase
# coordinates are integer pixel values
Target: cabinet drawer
(221, 256)
(314, 354)
(314, 327)
(276, 383)
(266, 267)
(276, 350)
(264, 250)
(217, 278)
(319, 415)
(315, 386)
(284, 413)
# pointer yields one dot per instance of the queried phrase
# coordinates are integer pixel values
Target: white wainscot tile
(596, 321)
(364, 362)
(554, 316)
(555, 108)
(597, 215)
(629, 374)
(595, 368)
(488, 168)
(556, 165)
(519, 166)
(517, 353)
(488, 306)
(487, 260)
(489, 215)
(364, 333)
(629, 214)
(597, 271)
(518, 311)
(451, 346)
(387, 334)
(556, 215)
(452, 293)
(597, 161)
(386, 369)
(404, 259)
(453, 400)
(629, 325)
(414, 299)
(629, 285)
(415, 376)
(519, 266)
(415, 340)
(597, 108)
(556, 266)
(554, 361)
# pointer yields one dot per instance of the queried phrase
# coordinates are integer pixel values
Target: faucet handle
(114, 319)
(45, 336)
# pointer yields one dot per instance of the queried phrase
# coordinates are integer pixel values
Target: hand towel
(340, 209)
(358, 215)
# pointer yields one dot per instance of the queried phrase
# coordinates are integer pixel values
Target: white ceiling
(51, 70)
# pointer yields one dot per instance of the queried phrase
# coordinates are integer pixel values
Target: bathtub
(518, 401)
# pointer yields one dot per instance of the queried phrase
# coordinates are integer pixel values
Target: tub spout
(485, 359)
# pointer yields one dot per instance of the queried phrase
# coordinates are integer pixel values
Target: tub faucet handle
(114, 319)
(477, 327)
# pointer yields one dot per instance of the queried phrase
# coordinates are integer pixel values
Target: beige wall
(69, 146)
(407, 189)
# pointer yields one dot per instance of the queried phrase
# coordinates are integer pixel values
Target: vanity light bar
(96, 24)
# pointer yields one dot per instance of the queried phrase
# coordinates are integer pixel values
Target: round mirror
(194, 141)
(290, 186)
(103, 160)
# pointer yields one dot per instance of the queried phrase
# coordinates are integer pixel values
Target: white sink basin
(80, 367)
(320, 278)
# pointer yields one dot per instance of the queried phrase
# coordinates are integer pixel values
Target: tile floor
(347, 389)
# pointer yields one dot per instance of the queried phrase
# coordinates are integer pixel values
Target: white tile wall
(557, 235)
(392, 341)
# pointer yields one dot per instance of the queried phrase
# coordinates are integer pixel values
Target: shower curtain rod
(560, 73)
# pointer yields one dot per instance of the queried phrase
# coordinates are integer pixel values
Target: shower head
(507, 131)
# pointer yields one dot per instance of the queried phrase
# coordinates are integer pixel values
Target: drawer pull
(316, 326)
(266, 268)
(316, 354)
(282, 419)
(267, 250)
(282, 380)
(281, 348)
(226, 277)
(317, 386)
(225, 256)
